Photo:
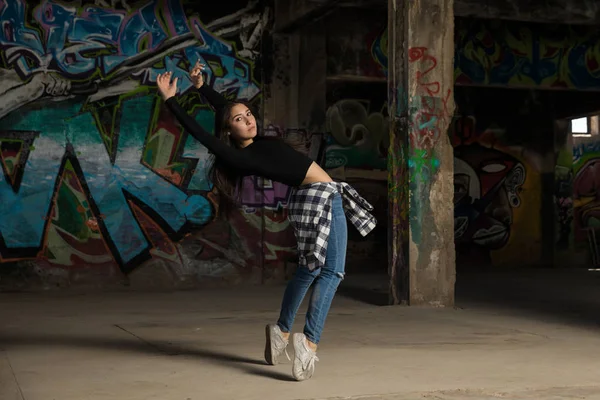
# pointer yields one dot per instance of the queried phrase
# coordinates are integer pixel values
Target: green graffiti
(423, 166)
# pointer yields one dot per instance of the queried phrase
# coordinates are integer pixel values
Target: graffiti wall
(357, 44)
(563, 193)
(494, 52)
(511, 179)
(507, 131)
(497, 191)
(356, 122)
(586, 187)
(517, 54)
(96, 173)
(357, 116)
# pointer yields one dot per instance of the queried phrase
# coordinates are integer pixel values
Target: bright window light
(579, 125)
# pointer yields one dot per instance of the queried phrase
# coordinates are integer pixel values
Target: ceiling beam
(575, 12)
(294, 15)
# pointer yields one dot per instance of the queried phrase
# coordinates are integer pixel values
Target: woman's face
(242, 125)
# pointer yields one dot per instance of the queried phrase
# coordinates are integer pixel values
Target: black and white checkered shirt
(310, 214)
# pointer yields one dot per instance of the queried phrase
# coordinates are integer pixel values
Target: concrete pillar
(296, 79)
(280, 82)
(420, 161)
(312, 80)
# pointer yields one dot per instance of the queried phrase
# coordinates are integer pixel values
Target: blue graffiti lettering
(102, 46)
(23, 214)
(581, 149)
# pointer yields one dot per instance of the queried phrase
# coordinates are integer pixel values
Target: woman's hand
(166, 88)
(196, 75)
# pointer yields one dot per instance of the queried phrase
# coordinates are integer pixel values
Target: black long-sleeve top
(267, 157)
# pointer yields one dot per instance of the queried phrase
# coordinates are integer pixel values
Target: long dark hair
(226, 180)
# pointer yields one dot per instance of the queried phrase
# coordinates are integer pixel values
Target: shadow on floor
(367, 288)
(364, 295)
(571, 296)
(245, 364)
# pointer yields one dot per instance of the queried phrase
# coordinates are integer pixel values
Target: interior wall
(585, 186)
(357, 124)
(514, 82)
(503, 177)
(526, 55)
(100, 184)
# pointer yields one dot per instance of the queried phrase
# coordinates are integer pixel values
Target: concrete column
(312, 80)
(420, 161)
(296, 79)
(280, 82)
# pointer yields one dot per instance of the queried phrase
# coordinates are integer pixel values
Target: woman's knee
(334, 275)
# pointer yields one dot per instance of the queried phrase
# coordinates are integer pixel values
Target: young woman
(317, 211)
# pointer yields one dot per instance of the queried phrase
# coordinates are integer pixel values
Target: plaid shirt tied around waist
(310, 214)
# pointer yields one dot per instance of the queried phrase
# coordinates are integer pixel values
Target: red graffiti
(420, 54)
(431, 116)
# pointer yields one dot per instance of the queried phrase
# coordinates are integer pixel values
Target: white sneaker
(275, 345)
(304, 359)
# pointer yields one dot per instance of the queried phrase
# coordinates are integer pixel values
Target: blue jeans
(326, 279)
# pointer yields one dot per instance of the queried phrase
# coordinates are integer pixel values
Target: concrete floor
(533, 335)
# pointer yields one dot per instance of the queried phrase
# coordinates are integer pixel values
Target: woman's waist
(312, 196)
(315, 174)
(328, 187)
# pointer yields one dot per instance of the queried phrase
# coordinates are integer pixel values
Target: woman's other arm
(216, 100)
(232, 156)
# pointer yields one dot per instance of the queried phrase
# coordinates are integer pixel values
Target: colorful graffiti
(432, 116)
(258, 192)
(421, 117)
(429, 119)
(359, 139)
(586, 194)
(563, 200)
(486, 189)
(496, 197)
(94, 169)
(563, 190)
(512, 53)
(379, 49)
(356, 149)
(493, 52)
(584, 150)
